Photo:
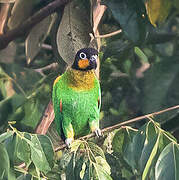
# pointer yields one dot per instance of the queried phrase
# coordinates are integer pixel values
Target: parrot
(76, 98)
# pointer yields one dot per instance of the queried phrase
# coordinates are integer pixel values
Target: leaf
(158, 10)
(65, 159)
(150, 148)
(101, 173)
(75, 145)
(141, 55)
(5, 135)
(70, 174)
(128, 14)
(117, 49)
(133, 147)
(36, 37)
(97, 151)
(5, 164)
(22, 78)
(82, 172)
(7, 55)
(122, 137)
(176, 4)
(10, 105)
(23, 150)
(74, 29)
(102, 162)
(42, 153)
(20, 11)
(168, 163)
(150, 159)
(160, 82)
(10, 145)
(24, 177)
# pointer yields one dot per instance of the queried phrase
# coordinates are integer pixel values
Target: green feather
(80, 94)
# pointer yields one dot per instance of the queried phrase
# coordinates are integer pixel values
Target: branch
(23, 28)
(111, 128)
(110, 34)
(3, 15)
(47, 119)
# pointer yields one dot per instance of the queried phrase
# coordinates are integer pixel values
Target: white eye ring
(82, 55)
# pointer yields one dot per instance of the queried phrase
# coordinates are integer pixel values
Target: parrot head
(85, 59)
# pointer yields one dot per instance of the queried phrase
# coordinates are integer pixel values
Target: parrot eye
(82, 55)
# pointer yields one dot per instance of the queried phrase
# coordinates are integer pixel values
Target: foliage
(139, 73)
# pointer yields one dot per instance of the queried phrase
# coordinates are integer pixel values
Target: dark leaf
(5, 164)
(168, 163)
(160, 87)
(128, 14)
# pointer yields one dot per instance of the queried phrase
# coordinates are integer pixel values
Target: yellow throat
(81, 80)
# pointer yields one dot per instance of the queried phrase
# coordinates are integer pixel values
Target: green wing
(57, 107)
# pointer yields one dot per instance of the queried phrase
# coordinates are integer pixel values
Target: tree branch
(23, 28)
(110, 34)
(111, 128)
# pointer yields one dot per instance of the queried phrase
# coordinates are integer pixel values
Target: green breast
(79, 105)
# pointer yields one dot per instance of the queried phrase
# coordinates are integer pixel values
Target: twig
(3, 16)
(111, 128)
(23, 28)
(98, 12)
(46, 46)
(110, 34)
(50, 66)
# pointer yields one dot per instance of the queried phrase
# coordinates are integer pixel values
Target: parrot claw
(68, 142)
(98, 133)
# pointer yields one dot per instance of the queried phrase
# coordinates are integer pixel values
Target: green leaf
(160, 82)
(24, 177)
(5, 164)
(42, 153)
(70, 174)
(168, 163)
(158, 10)
(7, 55)
(102, 162)
(122, 137)
(75, 145)
(117, 49)
(128, 14)
(74, 29)
(97, 151)
(141, 55)
(9, 106)
(65, 159)
(82, 172)
(23, 150)
(5, 135)
(10, 144)
(133, 147)
(176, 4)
(20, 77)
(36, 37)
(150, 159)
(101, 173)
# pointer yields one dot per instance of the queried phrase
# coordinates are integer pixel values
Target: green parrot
(76, 98)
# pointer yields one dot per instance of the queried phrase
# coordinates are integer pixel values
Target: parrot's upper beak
(93, 61)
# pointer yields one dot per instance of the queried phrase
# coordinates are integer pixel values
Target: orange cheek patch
(83, 63)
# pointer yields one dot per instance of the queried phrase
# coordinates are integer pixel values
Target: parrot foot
(98, 133)
(68, 142)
